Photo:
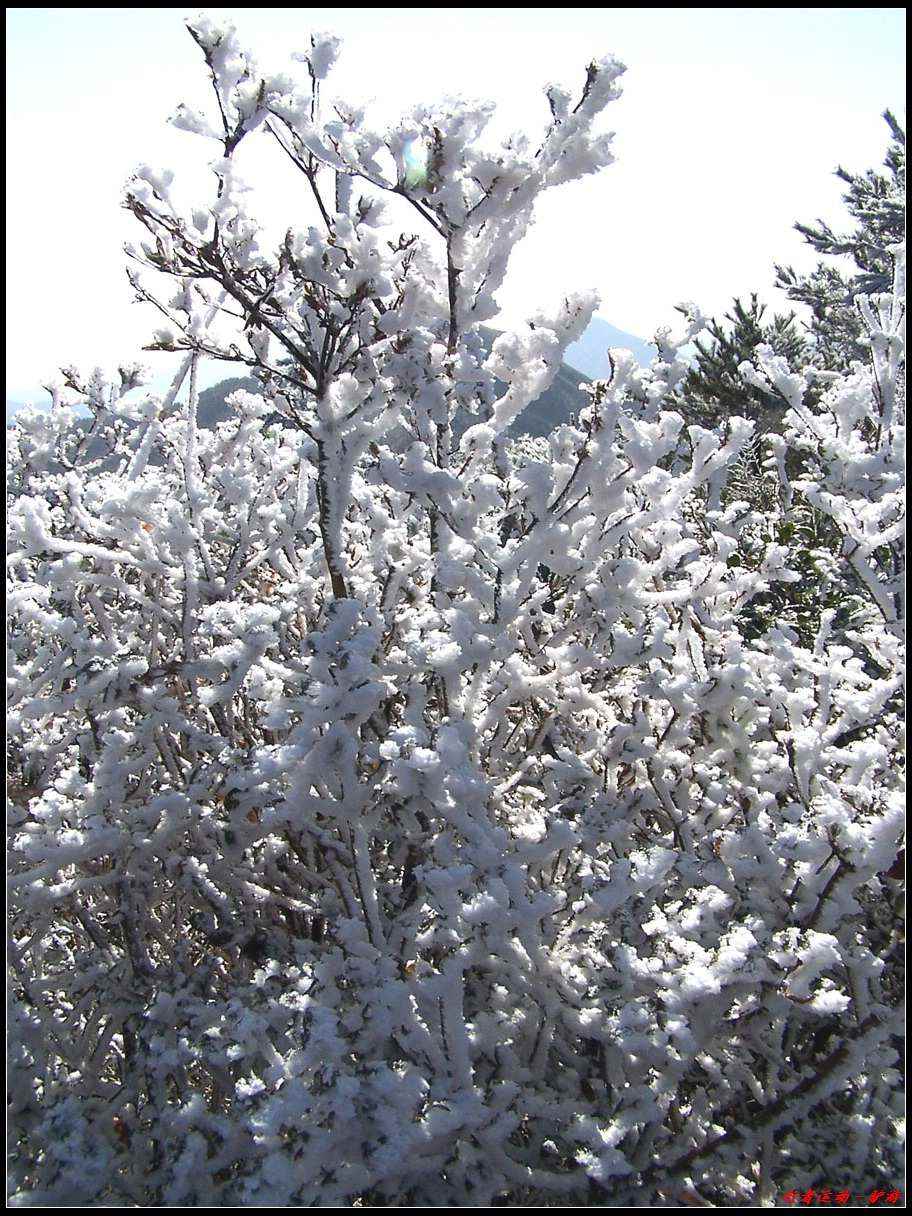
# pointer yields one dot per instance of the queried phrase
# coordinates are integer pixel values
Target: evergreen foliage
(877, 203)
(715, 388)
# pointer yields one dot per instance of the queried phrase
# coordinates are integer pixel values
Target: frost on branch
(409, 821)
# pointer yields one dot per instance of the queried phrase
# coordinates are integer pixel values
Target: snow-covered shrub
(405, 822)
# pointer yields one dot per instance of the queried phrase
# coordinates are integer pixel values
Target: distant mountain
(211, 408)
(13, 408)
(558, 404)
(590, 352)
(586, 359)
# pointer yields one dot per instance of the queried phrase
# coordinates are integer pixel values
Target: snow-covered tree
(404, 820)
(876, 203)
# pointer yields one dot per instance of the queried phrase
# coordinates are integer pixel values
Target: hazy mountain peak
(589, 353)
(585, 359)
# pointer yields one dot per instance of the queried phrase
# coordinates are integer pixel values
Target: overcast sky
(730, 126)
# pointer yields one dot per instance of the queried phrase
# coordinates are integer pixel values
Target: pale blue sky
(729, 130)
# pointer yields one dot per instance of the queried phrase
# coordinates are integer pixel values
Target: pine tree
(876, 201)
(715, 388)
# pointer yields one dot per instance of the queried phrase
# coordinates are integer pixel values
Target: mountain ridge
(584, 360)
(589, 353)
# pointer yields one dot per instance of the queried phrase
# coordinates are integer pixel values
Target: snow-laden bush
(408, 823)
